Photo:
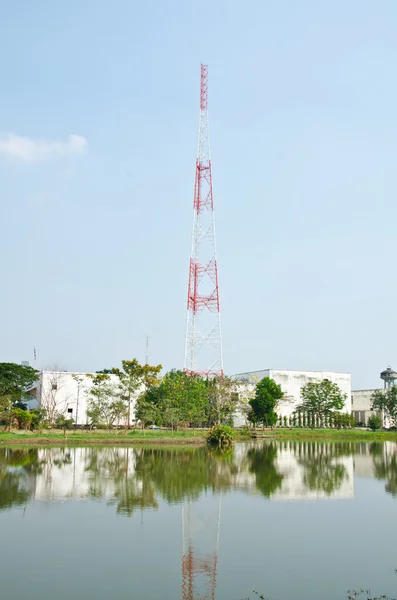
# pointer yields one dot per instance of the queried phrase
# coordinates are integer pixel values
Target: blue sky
(96, 228)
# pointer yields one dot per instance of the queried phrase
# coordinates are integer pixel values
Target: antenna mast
(203, 341)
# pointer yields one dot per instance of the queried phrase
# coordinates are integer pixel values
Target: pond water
(291, 520)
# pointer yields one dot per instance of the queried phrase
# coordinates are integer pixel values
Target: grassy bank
(354, 435)
(189, 437)
(81, 438)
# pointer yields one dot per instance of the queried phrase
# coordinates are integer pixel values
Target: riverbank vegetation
(135, 398)
(57, 437)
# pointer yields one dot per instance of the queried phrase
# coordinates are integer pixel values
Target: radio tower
(203, 343)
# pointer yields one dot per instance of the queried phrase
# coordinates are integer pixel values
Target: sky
(98, 137)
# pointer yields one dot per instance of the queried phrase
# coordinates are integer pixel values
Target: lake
(292, 520)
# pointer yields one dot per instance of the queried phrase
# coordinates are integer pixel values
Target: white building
(65, 393)
(361, 406)
(291, 383)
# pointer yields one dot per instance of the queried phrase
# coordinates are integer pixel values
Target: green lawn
(190, 436)
(101, 436)
(355, 435)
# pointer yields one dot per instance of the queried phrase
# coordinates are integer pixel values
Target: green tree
(105, 406)
(22, 417)
(151, 375)
(321, 398)
(263, 406)
(193, 399)
(386, 400)
(15, 381)
(148, 408)
(374, 422)
(222, 400)
(132, 377)
(38, 418)
(62, 422)
(179, 398)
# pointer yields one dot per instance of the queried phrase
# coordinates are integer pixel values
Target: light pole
(79, 381)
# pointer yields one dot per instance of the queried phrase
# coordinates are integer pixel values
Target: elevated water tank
(389, 377)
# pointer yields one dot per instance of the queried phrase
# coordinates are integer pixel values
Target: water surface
(297, 521)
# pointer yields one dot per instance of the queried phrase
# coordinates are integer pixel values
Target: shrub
(342, 420)
(61, 422)
(374, 423)
(221, 434)
(38, 418)
(22, 417)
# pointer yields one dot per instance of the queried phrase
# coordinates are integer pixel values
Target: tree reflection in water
(17, 471)
(384, 459)
(262, 464)
(323, 470)
(137, 478)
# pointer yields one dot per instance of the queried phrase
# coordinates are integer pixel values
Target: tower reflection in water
(133, 480)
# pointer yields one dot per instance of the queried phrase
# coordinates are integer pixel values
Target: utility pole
(203, 341)
(79, 380)
(148, 337)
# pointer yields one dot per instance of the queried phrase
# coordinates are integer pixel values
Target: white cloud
(28, 149)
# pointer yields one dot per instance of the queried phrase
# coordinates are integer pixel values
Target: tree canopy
(263, 406)
(179, 398)
(15, 380)
(386, 400)
(321, 398)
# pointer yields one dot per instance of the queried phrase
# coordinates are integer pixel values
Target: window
(70, 410)
(54, 386)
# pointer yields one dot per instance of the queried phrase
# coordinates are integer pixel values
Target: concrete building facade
(361, 406)
(65, 393)
(291, 383)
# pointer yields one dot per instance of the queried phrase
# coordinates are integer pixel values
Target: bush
(222, 435)
(342, 420)
(374, 423)
(22, 417)
(61, 422)
(38, 418)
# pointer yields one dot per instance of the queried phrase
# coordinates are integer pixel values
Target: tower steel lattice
(203, 342)
(199, 560)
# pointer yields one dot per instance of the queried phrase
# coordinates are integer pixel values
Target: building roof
(292, 371)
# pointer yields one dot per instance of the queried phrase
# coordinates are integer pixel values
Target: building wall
(60, 392)
(291, 384)
(361, 405)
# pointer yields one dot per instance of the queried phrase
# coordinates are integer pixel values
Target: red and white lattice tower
(203, 343)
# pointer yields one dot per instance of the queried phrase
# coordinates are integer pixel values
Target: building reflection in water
(137, 479)
(131, 478)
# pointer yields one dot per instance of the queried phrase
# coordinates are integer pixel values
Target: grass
(354, 435)
(198, 436)
(101, 436)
